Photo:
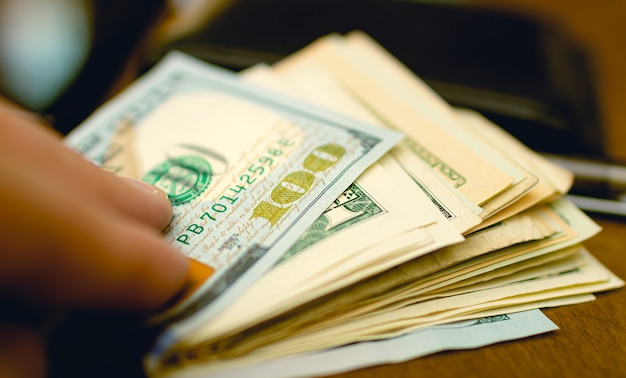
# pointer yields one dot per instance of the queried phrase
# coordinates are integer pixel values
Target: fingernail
(144, 185)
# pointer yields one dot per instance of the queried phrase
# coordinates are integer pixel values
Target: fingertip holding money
(148, 187)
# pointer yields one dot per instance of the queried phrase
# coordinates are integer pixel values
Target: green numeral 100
(295, 184)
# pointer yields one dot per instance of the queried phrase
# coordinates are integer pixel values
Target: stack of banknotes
(339, 214)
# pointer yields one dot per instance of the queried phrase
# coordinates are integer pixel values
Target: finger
(22, 353)
(38, 152)
(75, 234)
(128, 268)
(130, 197)
(148, 204)
(82, 254)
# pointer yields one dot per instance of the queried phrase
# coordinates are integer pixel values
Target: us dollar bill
(247, 171)
(469, 333)
(350, 208)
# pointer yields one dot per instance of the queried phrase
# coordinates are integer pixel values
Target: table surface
(591, 341)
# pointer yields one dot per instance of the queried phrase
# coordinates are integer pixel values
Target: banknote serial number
(255, 171)
(226, 202)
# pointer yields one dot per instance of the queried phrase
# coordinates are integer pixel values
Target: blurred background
(550, 72)
(599, 28)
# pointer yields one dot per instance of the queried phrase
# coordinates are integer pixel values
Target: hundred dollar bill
(317, 85)
(455, 160)
(246, 170)
(383, 291)
(465, 334)
(518, 289)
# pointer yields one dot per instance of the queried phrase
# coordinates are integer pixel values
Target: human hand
(74, 235)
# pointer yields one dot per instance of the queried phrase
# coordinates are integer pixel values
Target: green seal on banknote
(183, 178)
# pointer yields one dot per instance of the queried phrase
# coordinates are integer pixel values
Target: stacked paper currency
(332, 199)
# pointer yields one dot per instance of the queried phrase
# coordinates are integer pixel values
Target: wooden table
(591, 341)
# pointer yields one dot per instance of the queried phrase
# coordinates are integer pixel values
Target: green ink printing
(183, 178)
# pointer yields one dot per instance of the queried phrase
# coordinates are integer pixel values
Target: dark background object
(119, 27)
(522, 74)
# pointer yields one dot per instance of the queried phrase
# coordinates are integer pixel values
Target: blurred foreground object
(63, 58)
